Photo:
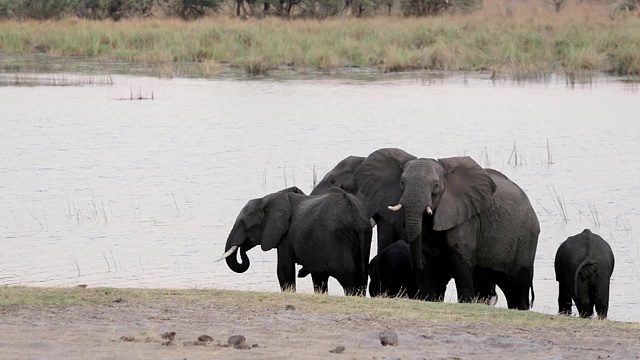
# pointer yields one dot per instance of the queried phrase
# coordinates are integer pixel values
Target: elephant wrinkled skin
(584, 264)
(329, 234)
(476, 220)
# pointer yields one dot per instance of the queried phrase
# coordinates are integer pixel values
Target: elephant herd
(437, 220)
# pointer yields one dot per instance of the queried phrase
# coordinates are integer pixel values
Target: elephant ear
(276, 211)
(468, 191)
(378, 180)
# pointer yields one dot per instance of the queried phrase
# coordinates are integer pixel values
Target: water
(106, 191)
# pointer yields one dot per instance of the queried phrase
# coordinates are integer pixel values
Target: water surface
(106, 191)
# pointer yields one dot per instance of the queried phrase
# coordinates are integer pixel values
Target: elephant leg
(463, 276)
(485, 290)
(351, 284)
(320, 283)
(601, 299)
(518, 288)
(286, 269)
(564, 299)
(430, 281)
(386, 233)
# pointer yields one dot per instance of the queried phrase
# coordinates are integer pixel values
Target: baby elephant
(584, 263)
(392, 276)
(391, 272)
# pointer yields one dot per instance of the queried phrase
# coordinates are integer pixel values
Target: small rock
(169, 335)
(81, 285)
(119, 300)
(205, 338)
(238, 342)
(389, 337)
(127, 338)
(338, 349)
(289, 307)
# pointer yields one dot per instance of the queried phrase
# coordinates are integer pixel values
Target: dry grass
(264, 302)
(519, 37)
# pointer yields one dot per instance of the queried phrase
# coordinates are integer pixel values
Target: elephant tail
(575, 278)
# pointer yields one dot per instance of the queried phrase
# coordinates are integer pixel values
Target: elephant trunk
(416, 203)
(232, 260)
(413, 220)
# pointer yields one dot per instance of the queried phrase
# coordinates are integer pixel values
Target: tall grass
(518, 38)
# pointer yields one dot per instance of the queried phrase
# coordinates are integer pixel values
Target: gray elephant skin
(391, 272)
(392, 276)
(343, 175)
(329, 234)
(390, 229)
(584, 264)
(476, 220)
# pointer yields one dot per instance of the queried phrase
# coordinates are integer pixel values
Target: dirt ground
(170, 331)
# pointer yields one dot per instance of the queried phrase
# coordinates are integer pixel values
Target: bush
(190, 9)
(42, 9)
(423, 7)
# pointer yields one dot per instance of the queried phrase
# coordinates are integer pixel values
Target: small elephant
(329, 234)
(583, 264)
(391, 272)
(392, 275)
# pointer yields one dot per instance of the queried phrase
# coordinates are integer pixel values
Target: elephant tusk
(231, 251)
(429, 211)
(373, 222)
(395, 208)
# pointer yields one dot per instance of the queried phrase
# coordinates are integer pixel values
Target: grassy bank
(305, 303)
(532, 41)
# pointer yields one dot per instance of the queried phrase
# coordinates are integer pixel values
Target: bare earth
(125, 330)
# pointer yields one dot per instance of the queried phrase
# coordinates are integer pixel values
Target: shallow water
(106, 191)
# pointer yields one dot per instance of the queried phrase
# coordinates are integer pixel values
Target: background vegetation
(518, 37)
(191, 9)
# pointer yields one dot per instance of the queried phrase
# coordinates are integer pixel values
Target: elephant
(584, 264)
(392, 275)
(329, 235)
(475, 220)
(390, 229)
(343, 176)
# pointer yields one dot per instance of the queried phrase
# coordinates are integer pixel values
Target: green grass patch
(388, 308)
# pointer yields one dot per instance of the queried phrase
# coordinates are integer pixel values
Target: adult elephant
(388, 274)
(478, 219)
(390, 228)
(392, 276)
(329, 234)
(584, 264)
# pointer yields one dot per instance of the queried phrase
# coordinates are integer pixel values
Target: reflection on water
(143, 193)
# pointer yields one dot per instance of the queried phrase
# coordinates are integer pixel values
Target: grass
(388, 308)
(526, 40)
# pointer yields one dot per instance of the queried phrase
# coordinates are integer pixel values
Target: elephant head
(449, 190)
(342, 176)
(261, 222)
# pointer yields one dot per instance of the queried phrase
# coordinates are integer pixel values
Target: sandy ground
(135, 331)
